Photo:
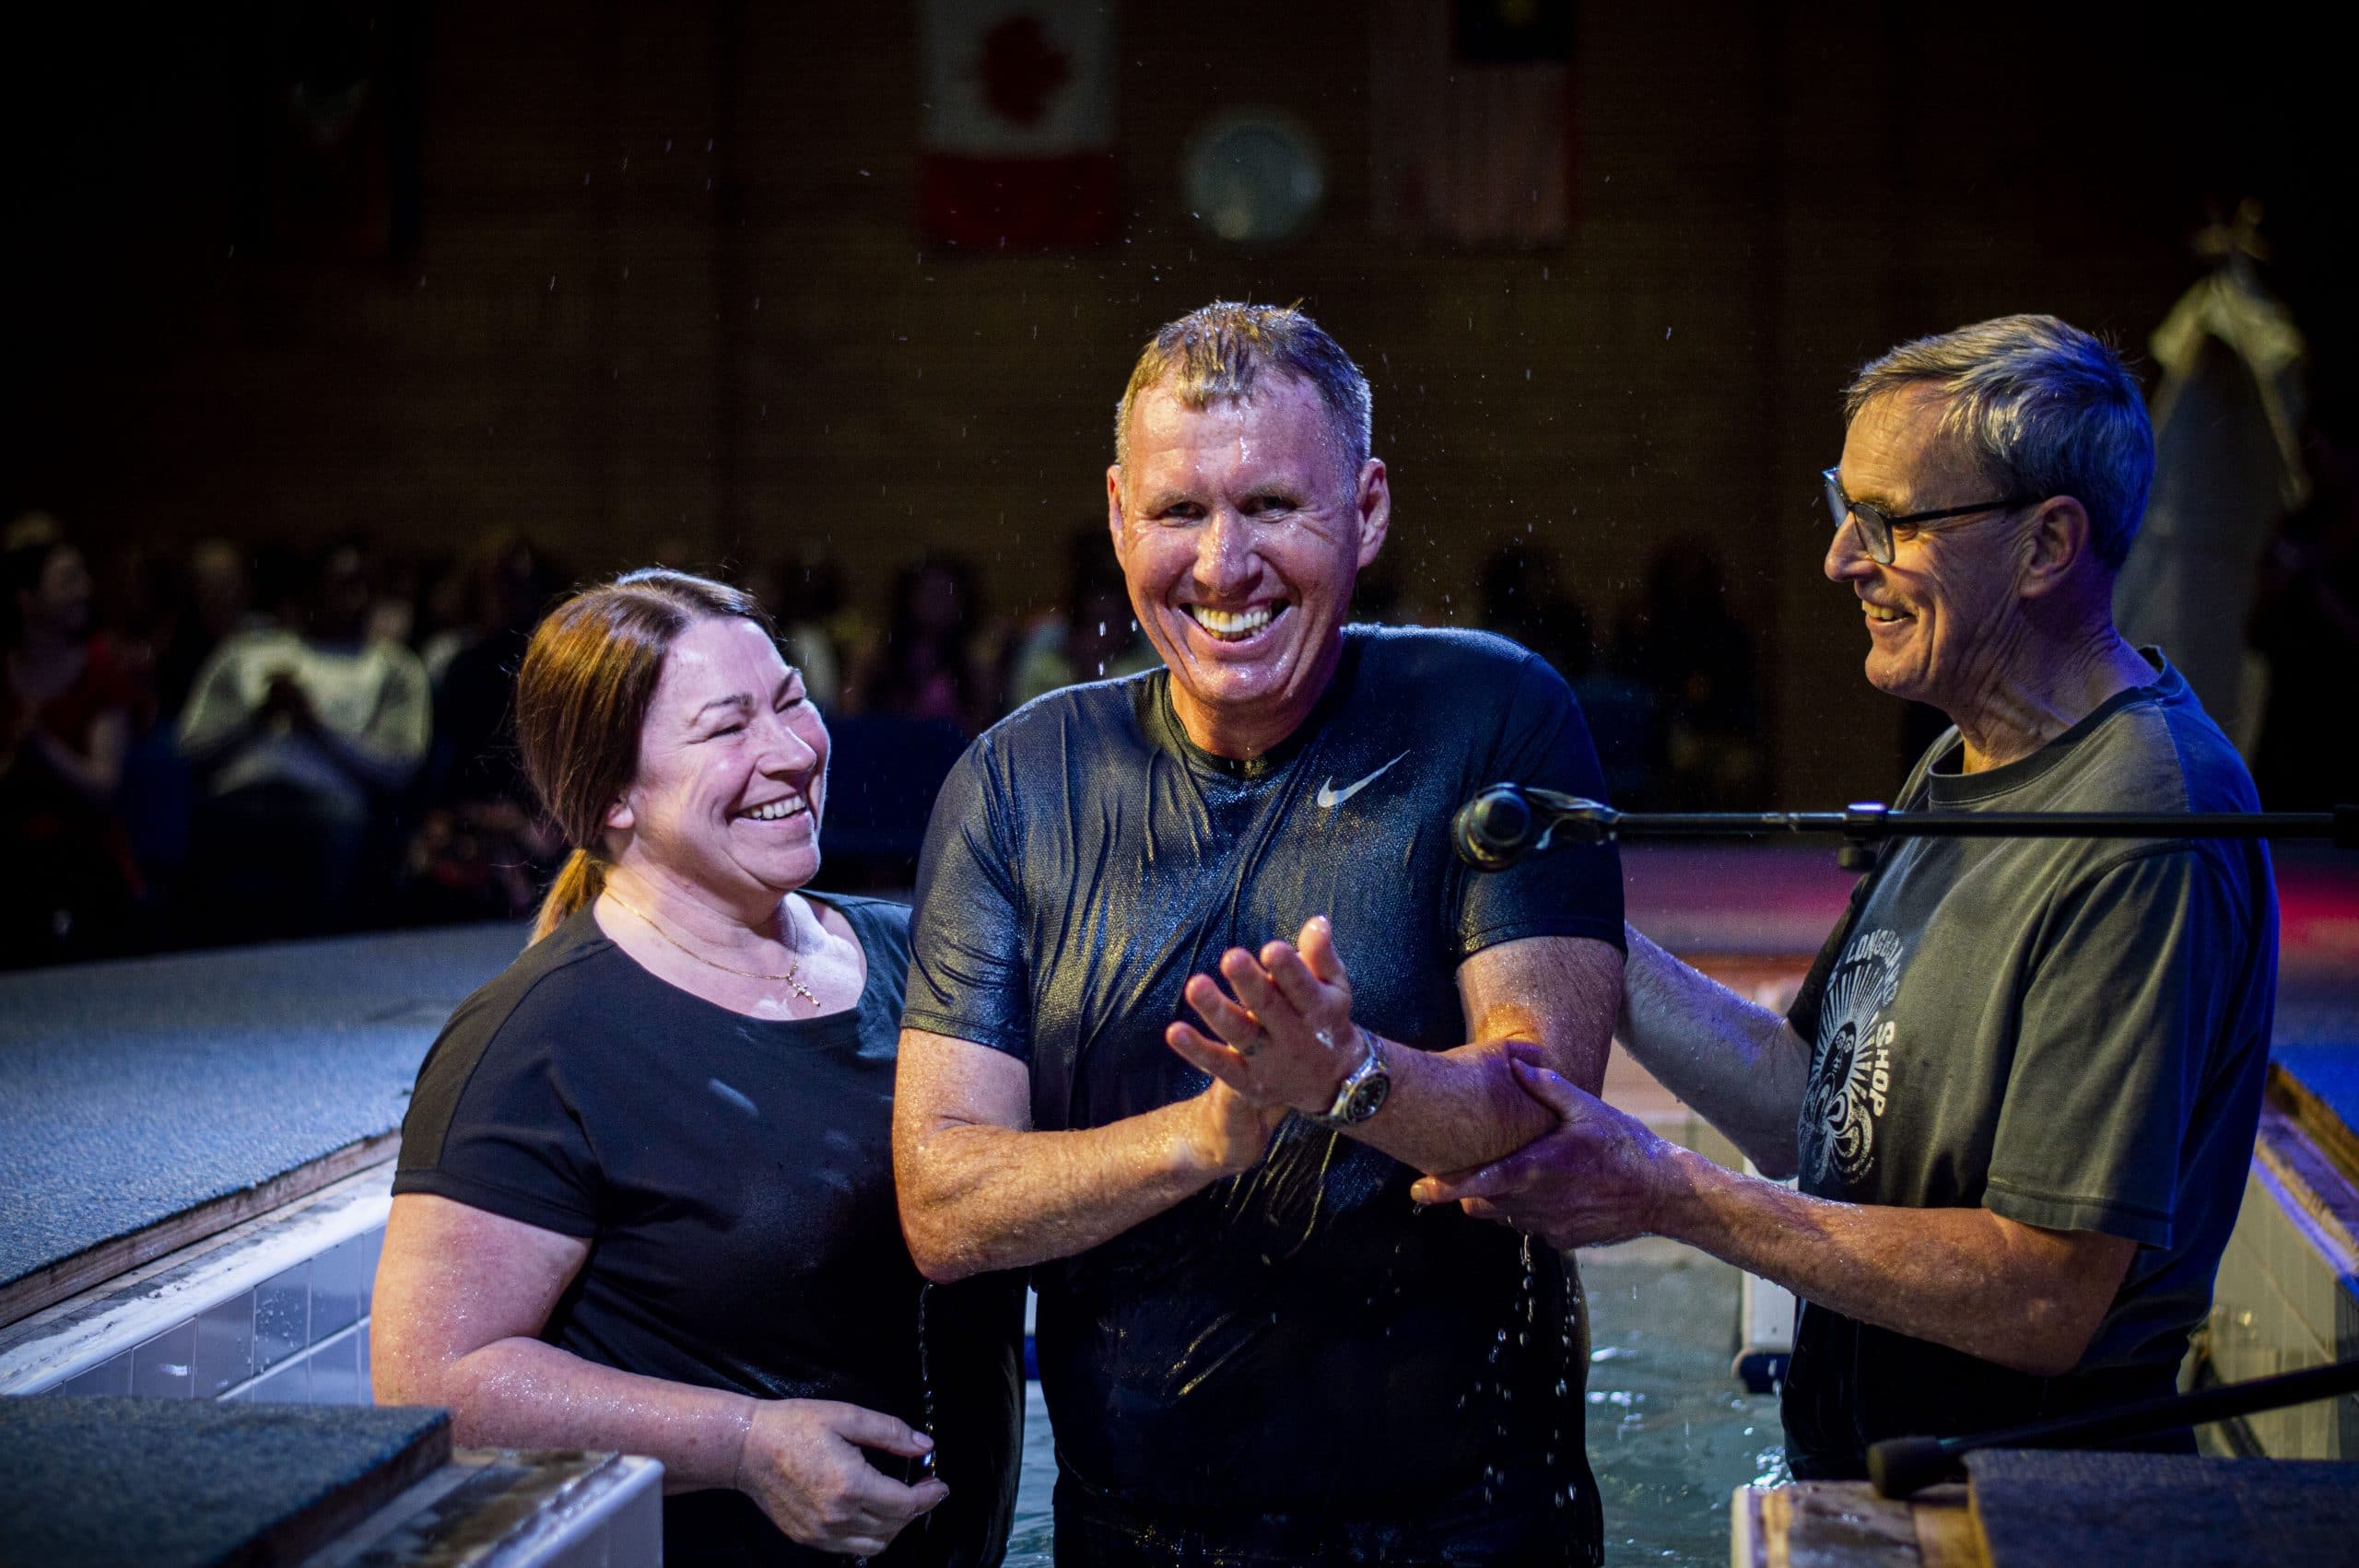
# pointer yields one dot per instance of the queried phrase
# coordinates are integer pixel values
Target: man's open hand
(1600, 1176)
(1285, 1035)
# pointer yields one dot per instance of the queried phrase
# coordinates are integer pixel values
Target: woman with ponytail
(644, 1200)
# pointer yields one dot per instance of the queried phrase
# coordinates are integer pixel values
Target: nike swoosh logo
(1331, 796)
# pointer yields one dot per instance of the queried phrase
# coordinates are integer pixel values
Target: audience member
(929, 666)
(2305, 622)
(1093, 637)
(304, 736)
(219, 603)
(484, 850)
(1523, 598)
(809, 594)
(66, 710)
(1686, 644)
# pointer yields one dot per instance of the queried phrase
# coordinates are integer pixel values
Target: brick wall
(667, 291)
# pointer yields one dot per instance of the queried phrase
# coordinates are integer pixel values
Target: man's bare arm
(1736, 1063)
(1286, 1038)
(979, 1191)
(2020, 1295)
(1450, 1108)
(2017, 1294)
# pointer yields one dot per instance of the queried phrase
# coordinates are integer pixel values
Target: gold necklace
(789, 979)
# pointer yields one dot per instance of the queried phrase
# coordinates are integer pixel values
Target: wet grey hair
(1216, 351)
(2041, 408)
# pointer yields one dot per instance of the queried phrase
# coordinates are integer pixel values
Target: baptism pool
(1670, 1432)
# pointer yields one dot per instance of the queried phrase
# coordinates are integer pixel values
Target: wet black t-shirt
(1299, 1337)
(734, 1178)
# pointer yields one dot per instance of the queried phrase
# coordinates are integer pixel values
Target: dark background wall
(656, 285)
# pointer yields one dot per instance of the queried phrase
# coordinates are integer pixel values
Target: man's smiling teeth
(1881, 611)
(794, 805)
(1232, 624)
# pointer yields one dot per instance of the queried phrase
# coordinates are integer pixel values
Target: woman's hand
(801, 1462)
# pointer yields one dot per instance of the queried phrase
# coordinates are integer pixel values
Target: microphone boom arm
(1509, 823)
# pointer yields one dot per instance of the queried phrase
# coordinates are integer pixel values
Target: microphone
(1506, 823)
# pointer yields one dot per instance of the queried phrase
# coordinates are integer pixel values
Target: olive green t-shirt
(2071, 1033)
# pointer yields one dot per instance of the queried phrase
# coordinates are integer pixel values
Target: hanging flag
(1472, 108)
(1018, 151)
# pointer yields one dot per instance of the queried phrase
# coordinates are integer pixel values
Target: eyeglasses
(1876, 524)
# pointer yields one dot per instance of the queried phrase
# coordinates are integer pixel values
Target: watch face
(1367, 1098)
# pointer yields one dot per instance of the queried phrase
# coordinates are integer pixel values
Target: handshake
(1279, 1035)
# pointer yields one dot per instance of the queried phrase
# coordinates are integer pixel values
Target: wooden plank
(1829, 1523)
(2326, 1131)
(1947, 1535)
(2309, 1178)
(96, 1265)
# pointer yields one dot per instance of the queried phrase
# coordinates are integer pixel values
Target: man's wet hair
(2041, 408)
(1215, 351)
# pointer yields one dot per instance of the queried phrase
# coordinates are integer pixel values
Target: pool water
(1670, 1432)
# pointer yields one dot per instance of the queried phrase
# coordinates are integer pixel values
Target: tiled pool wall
(299, 1338)
(274, 1310)
(2287, 1297)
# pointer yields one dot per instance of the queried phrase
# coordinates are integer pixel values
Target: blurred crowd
(231, 744)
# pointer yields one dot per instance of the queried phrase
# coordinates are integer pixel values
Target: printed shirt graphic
(1851, 1065)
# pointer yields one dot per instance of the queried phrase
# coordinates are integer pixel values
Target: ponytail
(579, 882)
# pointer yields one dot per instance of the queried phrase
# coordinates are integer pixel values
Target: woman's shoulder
(564, 980)
(878, 923)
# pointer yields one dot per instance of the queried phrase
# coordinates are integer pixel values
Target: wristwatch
(1362, 1093)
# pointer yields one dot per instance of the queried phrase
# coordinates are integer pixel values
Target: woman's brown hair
(582, 695)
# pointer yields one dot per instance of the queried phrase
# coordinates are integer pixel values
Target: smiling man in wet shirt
(1195, 974)
(2020, 1081)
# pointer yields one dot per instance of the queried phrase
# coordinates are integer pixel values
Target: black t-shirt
(1300, 1337)
(2070, 1032)
(734, 1178)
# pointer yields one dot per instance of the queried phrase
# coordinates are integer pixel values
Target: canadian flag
(1019, 149)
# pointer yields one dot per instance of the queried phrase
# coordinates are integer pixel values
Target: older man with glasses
(2020, 1084)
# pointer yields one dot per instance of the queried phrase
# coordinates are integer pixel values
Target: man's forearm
(1965, 1278)
(977, 1198)
(1734, 1062)
(1451, 1109)
(1555, 997)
